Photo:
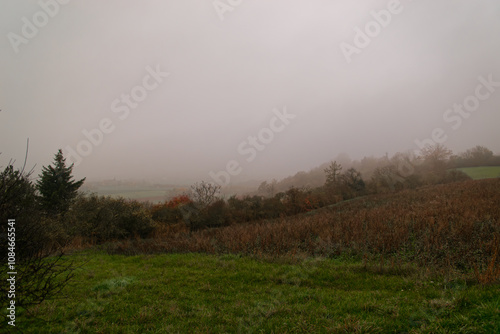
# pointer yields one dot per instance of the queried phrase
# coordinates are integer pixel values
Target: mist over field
(181, 90)
(223, 166)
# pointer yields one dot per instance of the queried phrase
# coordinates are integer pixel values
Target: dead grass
(455, 225)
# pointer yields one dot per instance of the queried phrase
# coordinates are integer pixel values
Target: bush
(213, 215)
(351, 184)
(454, 175)
(272, 207)
(298, 200)
(169, 212)
(103, 218)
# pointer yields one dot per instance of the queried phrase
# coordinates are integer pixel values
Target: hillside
(419, 260)
(456, 224)
(422, 260)
(478, 163)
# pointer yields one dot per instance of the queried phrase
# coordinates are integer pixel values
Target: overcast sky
(177, 89)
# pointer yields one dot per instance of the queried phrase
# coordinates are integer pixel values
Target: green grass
(477, 173)
(195, 293)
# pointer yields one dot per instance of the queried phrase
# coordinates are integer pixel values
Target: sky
(235, 90)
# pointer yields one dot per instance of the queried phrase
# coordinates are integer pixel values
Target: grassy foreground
(195, 293)
(478, 173)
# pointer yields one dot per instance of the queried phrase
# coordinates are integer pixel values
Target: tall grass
(454, 225)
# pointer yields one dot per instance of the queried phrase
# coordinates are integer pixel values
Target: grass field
(140, 193)
(477, 173)
(195, 293)
(132, 193)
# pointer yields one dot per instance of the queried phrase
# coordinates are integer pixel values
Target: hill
(421, 260)
(455, 225)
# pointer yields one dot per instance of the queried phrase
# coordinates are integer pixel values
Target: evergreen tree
(332, 174)
(57, 187)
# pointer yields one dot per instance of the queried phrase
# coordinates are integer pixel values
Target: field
(414, 261)
(153, 194)
(477, 173)
(195, 293)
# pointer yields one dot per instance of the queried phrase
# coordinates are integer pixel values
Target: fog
(175, 90)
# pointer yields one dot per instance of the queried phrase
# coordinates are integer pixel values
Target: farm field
(477, 173)
(141, 193)
(196, 293)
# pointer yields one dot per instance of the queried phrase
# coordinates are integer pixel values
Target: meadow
(419, 260)
(134, 193)
(477, 173)
(197, 293)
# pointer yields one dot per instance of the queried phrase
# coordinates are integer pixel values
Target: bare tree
(205, 193)
(478, 155)
(436, 156)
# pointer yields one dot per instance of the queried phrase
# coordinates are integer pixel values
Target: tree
(353, 179)
(478, 156)
(57, 187)
(332, 173)
(268, 189)
(386, 177)
(41, 270)
(205, 193)
(436, 156)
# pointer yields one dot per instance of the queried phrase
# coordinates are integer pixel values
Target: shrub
(298, 200)
(103, 218)
(213, 215)
(351, 184)
(272, 207)
(454, 175)
(169, 212)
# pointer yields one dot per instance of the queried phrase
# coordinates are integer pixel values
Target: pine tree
(333, 174)
(57, 187)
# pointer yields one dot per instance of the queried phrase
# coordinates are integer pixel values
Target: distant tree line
(406, 165)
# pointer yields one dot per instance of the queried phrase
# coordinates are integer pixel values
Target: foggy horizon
(179, 90)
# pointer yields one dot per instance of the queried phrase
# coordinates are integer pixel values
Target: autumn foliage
(169, 212)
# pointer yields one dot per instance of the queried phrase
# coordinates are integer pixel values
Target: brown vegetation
(455, 225)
